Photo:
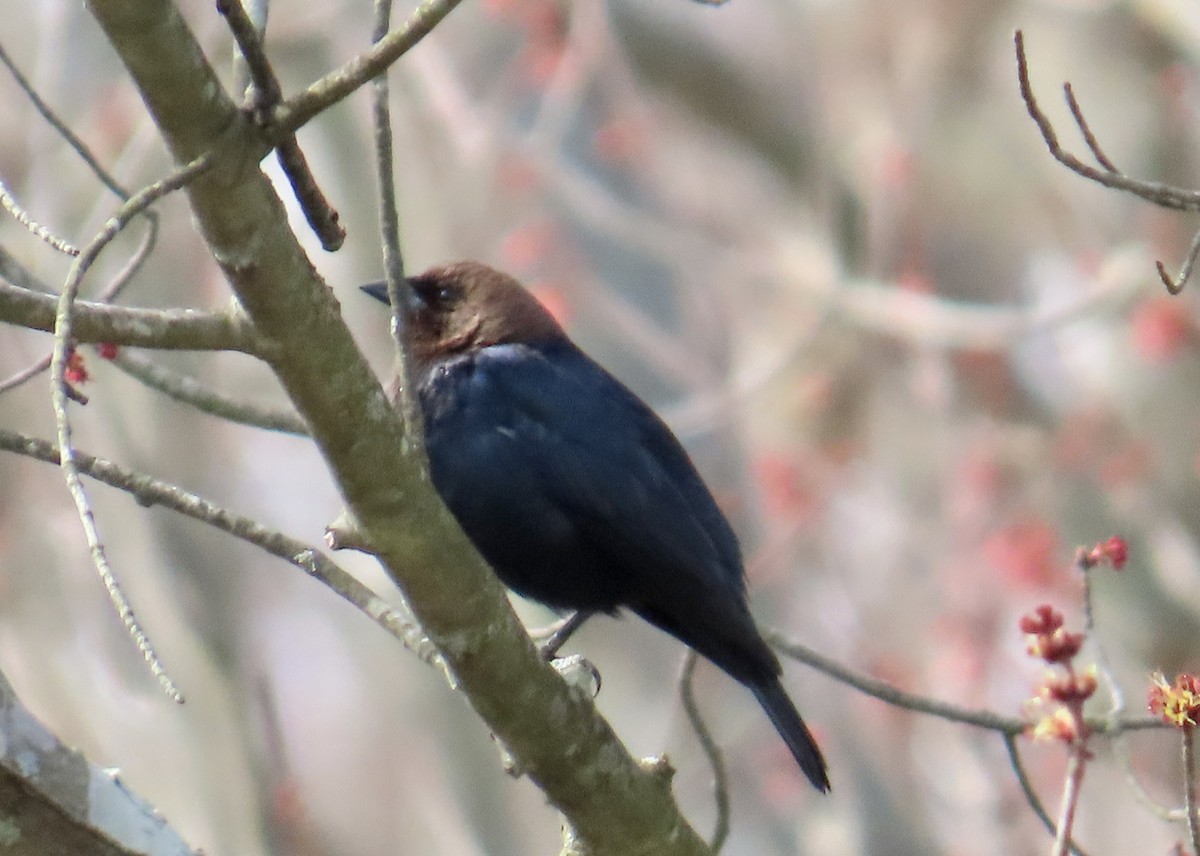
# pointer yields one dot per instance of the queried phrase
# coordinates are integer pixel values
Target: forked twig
(59, 394)
(265, 95)
(1163, 195)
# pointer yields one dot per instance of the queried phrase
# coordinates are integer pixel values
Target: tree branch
(332, 88)
(613, 803)
(1164, 195)
(889, 694)
(149, 491)
(187, 390)
(265, 96)
(61, 392)
(166, 329)
(57, 802)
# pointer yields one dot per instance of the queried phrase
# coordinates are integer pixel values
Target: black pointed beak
(379, 291)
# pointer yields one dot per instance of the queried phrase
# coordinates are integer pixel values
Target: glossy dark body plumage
(576, 493)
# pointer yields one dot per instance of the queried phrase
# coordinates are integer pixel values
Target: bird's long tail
(791, 728)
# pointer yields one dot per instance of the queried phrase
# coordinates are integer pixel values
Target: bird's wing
(615, 469)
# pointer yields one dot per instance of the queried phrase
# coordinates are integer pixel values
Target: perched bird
(575, 492)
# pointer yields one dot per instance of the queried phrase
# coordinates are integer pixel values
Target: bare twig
(687, 694)
(190, 391)
(149, 491)
(888, 693)
(63, 131)
(1086, 130)
(1076, 765)
(106, 178)
(322, 217)
(1174, 286)
(389, 214)
(25, 375)
(129, 270)
(9, 204)
(1031, 797)
(297, 111)
(393, 259)
(134, 264)
(1103, 663)
(265, 94)
(1164, 195)
(259, 11)
(59, 392)
(550, 639)
(985, 719)
(1174, 815)
(1189, 785)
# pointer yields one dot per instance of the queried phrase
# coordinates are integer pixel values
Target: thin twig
(10, 204)
(1174, 286)
(1031, 797)
(1076, 765)
(1086, 130)
(134, 264)
(63, 131)
(190, 391)
(297, 111)
(1189, 785)
(381, 115)
(550, 639)
(59, 397)
(322, 217)
(265, 96)
(1103, 663)
(1117, 708)
(985, 719)
(1166, 196)
(687, 694)
(888, 693)
(1174, 815)
(265, 91)
(25, 375)
(106, 178)
(258, 10)
(405, 399)
(149, 491)
(118, 282)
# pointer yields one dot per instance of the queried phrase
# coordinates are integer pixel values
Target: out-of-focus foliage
(918, 361)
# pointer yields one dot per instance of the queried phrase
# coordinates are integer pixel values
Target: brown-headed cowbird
(575, 492)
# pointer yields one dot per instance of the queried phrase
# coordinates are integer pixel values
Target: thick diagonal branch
(612, 802)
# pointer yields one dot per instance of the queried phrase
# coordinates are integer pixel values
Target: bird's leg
(561, 632)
